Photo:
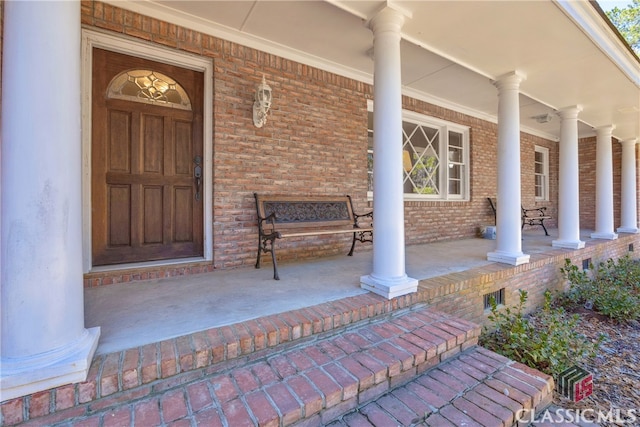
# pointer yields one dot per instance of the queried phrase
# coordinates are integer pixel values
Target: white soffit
(450, 52)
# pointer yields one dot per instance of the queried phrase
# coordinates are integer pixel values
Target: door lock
(197, 174)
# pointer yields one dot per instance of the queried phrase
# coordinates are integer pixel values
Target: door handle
(197, 174)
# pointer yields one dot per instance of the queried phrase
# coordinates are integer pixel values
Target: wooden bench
(283, 216)
(533, 216)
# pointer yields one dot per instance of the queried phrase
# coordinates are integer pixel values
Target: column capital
(570, 112)
(510, 80)
(632, 141)
(605, 129)
(604, 133)
(388, 19)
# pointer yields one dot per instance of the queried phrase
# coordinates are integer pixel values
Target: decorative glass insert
(149, 87)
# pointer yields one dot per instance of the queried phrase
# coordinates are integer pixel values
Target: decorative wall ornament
(262, 103)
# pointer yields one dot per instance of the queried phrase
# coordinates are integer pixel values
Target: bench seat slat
(299, 233)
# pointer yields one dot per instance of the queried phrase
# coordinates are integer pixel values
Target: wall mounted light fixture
(543, 118)
(261, 104)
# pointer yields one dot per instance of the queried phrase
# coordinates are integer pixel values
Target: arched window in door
(150, 87)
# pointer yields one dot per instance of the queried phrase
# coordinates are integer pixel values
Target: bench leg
(353, 245)
(544, 228)
(540, 222)
(275, 264)
(262, 247)
(259, 253)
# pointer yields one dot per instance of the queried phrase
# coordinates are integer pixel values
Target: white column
(508, 213)
(44, 341)
(604, 185)
(388, 277)
(568, 188)
(628, 202)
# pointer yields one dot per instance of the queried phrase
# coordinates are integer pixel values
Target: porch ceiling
(451, 50)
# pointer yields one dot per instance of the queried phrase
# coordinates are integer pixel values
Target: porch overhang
(451, 51)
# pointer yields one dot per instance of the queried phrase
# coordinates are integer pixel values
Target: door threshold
(146, 264)
(133, 272)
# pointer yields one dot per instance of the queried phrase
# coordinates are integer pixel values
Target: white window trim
(445, 127)
(545, 164)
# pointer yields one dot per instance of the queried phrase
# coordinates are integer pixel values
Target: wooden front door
(147, 200)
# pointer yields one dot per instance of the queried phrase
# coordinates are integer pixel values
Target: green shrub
(547, 340)
(614, 289)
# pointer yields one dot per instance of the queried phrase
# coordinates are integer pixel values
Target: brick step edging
(477, 387)
(325, 378)
(135, 371)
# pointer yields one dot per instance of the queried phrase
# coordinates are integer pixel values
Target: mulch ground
(616, 371)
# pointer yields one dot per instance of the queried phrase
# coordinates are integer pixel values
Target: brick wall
(315, 141)
(461, 294)
(587, 182)
(527, 158)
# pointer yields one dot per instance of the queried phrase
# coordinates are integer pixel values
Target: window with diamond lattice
(435, 158)
(421, 159)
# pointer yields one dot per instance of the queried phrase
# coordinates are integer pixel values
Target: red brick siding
(527, 158)
(587, 182)
(461, 294)
(315, 141)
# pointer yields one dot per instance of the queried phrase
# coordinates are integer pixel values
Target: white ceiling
(451, 50)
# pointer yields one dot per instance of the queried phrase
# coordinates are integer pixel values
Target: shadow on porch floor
(134, 314)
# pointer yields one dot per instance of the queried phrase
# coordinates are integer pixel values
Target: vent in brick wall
(586, 263)
(498, 296)
(630, 247)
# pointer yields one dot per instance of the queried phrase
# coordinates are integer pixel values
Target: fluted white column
(508, 215)
(628, 202)
(388, 277)
(604, 185)
(568, 188)
(44, 341)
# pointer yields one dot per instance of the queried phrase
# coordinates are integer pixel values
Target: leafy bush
(547, 340)
(614, 289)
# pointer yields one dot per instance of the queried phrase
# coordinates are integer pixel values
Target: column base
(568, 244)
(604, 235)
(632, 230)
(24, 376)
(389, 288)
(508, 257)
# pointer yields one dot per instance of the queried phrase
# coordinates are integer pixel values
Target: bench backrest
(524, 212)
(306, 211)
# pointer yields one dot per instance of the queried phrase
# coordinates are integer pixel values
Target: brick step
(143, 370)
(312, 383)
(475, 388)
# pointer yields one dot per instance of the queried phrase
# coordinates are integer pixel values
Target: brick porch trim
(365, 358)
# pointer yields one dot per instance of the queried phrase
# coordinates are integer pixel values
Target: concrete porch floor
(135, 314)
